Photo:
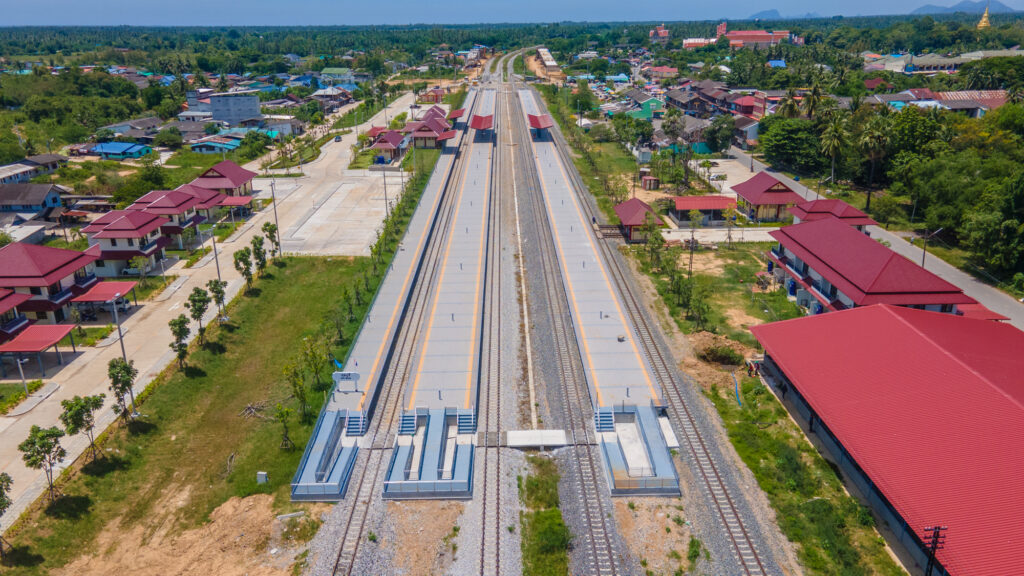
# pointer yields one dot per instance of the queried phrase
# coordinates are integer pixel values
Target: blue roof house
(120, 150)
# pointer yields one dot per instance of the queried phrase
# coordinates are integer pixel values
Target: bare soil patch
(425, 535)
(656, 532)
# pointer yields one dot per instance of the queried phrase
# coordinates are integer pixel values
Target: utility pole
(277, 226)
(934, 540)
(924, 247)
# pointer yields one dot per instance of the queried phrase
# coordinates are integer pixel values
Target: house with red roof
(390, 145)
(50, 277)
(828, 265)
(118, 236)
(659, 34)
(633, 215)
(177, 206)
(227, 178)
(711, 207)
(661, 72)
(923, 414)
(209, 200)
(831, 208)
(434, 95)
(428, 133)
(764, 198)
(12, 320)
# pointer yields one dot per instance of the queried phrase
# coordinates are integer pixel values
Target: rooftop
(763, 188)
(933, 413)
(831, 208)
(633, 212)
(30, 265)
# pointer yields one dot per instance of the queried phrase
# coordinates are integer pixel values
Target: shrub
(721, 355)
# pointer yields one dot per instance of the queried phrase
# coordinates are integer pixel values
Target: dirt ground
(704, 262)
(243, 538)
(655, 530)
(425, 534)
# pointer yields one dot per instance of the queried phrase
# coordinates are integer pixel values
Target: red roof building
(227, 178)
(712, 208)
(478, 122)
(177, 206)
(389, 144)
(375, 131)
(831, 266)
(661, 72)
(12, 320)
(118, 236)
(633, 215)
(831, 208)
(759, 38)
(50, 277)
(434, 95)
(208, 199)
(924, 414)
(540, 122)
(765, 198)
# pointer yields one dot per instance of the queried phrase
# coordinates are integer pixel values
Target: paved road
(147, 337)
(993, 299)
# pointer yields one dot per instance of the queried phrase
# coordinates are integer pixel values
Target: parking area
(734, 172)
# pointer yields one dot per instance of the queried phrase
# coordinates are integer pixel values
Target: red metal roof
(127, 224)
(746, 101)
(237, 175)
(478, 122)
(979, 312)
(389, 140)
(375, 131)
(29, 265)
(765, 189)
(106, 291)
(36, 338)
(686, 203)
(456, 113)
(165, 202)
(447, 135)
(540, 122)
(235, 200)
(931, 406)
(831, 208)
(207, 198)
(9, 299)
(633, 212)
(864, 270)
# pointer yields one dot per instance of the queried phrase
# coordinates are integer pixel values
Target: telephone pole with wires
(934, 540)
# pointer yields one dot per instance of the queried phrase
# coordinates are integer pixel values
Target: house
(687, 101)
(30, 167)
(120, 150)
(331, 98)
(208, 200)
(215, 145)
(828, 265)
(389, 145)
(177, 206)
(634, 214)
(121, 235)
(27, 199)
(745, 131)
(659, 34)
(234, 107)
(693, 129)
(50, 276)
(831, 208)
(338, 75)
(12, 320)
(764, 198)
(921, 413)
(227, 178)
(743, 104)
(661, 72)
(711, 207)
(877, 84)
(433, 96)
(429, 133)
(145, 125)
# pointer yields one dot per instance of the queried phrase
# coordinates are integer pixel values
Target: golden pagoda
(984, 23)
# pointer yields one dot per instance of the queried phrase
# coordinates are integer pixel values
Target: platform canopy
(106, 291)
(36, 338)
(456, 113)
(235, 200)
(540, 122)
(446, 135)
(481, 122)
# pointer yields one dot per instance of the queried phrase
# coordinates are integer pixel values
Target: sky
(360, 12)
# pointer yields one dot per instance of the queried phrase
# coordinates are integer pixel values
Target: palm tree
(813, 100)
(1015, 94)
(789, 107)
(874, 139)
(834, 138)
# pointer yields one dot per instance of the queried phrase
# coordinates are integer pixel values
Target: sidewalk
(147, 336)
(992, 298)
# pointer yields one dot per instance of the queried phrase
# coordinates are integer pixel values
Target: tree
(293, 374)
(270, 231)
(259, 254)
(122, 376)
(170, 138)
(789, 106)
(79, 415)
(887, 208)
(718, 136)
(696, 219)
(5, 504)
(140, 263)
(316, 353)
(5, 238)
(813, 100)
(243, 263)
(217, 291)
(873, 141)
(834, 139)
(42, 451)
(180, 332)
(699, 307)
(198, 303)
(282, 414)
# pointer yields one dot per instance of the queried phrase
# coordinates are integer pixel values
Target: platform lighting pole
(924, 247)
(277, 226)
(934, 540)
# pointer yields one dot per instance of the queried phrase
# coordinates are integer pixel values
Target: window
(947, 308)
(131, 241)
(100, 263)
(36, 290)
(113, 241)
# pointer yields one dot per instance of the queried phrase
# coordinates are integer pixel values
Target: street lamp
(22, 373)
(277, 226)
(124, 355)
(924, 247)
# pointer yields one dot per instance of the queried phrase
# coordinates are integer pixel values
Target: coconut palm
(813, 100)
(834, 138)
(874, 139)
(788, 107)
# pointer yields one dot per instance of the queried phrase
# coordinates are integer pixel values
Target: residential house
(338, 76)
(659, 34)
(121, 235)
(687, 101)
(433, 96)
(145, 125)
(50, 276)
(331, 98)
(120, 150)
(634, 214)
(12, 320)
(208, 200)
(711, 207)
(30, 167)
(29, 199)
(764, 198)
(828, 265)
(215, 145)
(227, 178)
(745, 131)
(178, 207)
(660, 72)
(831, 208)
(389, 145)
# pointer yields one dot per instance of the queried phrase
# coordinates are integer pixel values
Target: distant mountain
(772, 14)
(966, 6)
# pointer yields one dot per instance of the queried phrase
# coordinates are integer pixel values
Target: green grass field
(92, 335)
(12, 393)
(545, 538)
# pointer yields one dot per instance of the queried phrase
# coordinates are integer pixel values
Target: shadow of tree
(280, 263)
(193, 372)
(228, 327)
(214, 347)
(253, 292)
(21, 556)
(68, 506)
(140, 427)
(104, 465)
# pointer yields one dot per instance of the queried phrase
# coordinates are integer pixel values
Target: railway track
(383, 429)
(725, 505)
(490, 378)
(599, 556)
